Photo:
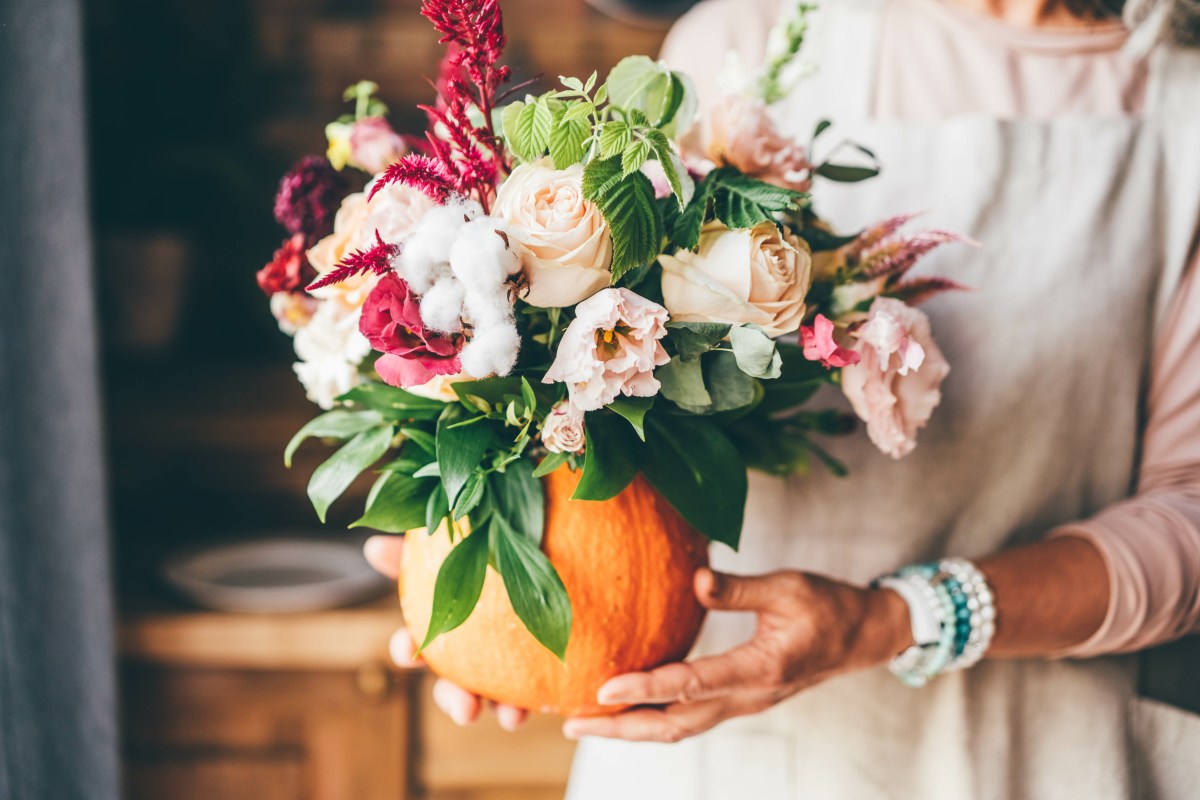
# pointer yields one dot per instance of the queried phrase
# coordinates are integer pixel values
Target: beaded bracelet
(953, 614)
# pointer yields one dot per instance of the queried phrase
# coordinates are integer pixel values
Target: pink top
(938, 60)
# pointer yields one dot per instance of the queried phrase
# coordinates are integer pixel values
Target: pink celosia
(412, 355)
(308, 197)
(378, 260)
(897, 384)
(819, 344)
(288, 270)
(611, 348)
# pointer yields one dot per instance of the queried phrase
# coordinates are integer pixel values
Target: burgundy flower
(308, 197)
(288, 270)
(412, 355)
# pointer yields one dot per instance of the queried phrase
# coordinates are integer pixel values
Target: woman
(1031, 126)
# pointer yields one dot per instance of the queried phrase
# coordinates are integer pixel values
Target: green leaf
(397, 505)
(395, 404)
(422, 439)
(509, 117)
(700, 473)
(458, 586)
(633, 409)
(676, 91)
(430, 470)
(571, 83)
(822, 126)
(436, 509)
(683, 384)
(615, 136)
(693, 339)
(690, 223)
(460, 449)
(333, 477)
(666, 157)
(821, 240)
(336, 424)
(610, 461)
(579, 112)
(518, 497)
(534, 588)
(567, 139)
(531, 136)
(756, 353)
(550, 463)
(471, 495)
(629, 208)
(635, 81)
(635, 156)
(740, 201)
(842, 173)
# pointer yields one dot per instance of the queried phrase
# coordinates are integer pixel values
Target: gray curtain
(58, 733)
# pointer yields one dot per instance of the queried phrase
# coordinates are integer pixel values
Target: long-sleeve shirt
(938, 60)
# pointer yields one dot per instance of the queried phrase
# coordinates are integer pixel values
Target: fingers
(403, 650)
(718, 591)
(705, 678)
(671, 724)
(384, 554)
(456, 703)
(511, 718)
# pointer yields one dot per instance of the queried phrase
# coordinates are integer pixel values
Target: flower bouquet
(560, 329)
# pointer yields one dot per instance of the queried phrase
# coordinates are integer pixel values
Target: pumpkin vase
(627, 564)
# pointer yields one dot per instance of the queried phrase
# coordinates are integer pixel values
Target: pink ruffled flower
(740, 133)
(611, 349)
(897, 384)
(563, 431)
(374, 146)
(412, 355)
(289, 268)
(819, 345)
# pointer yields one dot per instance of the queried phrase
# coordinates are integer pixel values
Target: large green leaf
(700, 473)
(690, 223)
(395, 404)
(459, 584)
(332, 478)
(460, 449)
(641, 84)
(683, 384)
(534, 588)
(518, 497)
(397, 505)
(694, 339)
(633, 409)
(756, 353)
(628, 205)
(610, 461)
(567, 139)
(336, 424)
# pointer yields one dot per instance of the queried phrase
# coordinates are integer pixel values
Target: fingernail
(717, 585)
(610, 696)
(570, 731)
(402, 649)
(374, 548)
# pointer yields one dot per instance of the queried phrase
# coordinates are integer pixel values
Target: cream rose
(563, 430)
(562, 239)
(758, 275)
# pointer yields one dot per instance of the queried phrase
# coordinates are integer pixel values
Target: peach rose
(758, 275)
(562, 239)
(739, 132)
(897, 384)
(563, 432)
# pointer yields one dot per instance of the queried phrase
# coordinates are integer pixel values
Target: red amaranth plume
(877, 233)
(919, 290)
(892, 258)
(426, 173)
(378, 260)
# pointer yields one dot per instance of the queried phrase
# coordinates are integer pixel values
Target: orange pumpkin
(627, 564)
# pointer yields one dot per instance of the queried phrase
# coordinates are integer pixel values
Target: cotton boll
(426, 253)
(481, 256)
(492, 351)
(442, 306)
(488, 309)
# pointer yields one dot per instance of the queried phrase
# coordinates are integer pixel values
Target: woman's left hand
(809, 629)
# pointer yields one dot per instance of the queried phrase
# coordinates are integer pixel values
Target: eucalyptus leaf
(458, 586)
(694, 339)
(336, 424)
(534, 588)
(683, 384)
(756, 353)
(397, 504)
(332, 478)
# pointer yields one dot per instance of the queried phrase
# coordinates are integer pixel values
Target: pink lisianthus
(897, 384)
(819, 345)
(374, 146)
(289, 268)
(412, 355)
(563, 431)
(611, 349)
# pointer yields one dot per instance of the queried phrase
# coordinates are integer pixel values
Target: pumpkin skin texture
(627, 564)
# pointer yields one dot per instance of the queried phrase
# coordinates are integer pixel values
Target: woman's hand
(809, 628)
(385, 554)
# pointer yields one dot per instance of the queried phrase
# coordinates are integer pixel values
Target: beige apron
(1086, 225)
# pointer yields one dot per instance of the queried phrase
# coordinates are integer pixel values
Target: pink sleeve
(1151, 542)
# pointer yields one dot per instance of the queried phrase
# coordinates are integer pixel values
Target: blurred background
(197, 107)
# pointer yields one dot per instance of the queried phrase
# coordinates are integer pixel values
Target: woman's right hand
(385, 555)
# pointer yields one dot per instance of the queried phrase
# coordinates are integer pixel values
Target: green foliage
(460, 450)
(332, 478)
(663, 97)
(693, 339)
(550, 463)
(569, 137)
(534, 588)
(610, 462)
(518, 498)
(755, 352)
(336, 424)
(397, 504)
(459, 584)
(737, 200)
(394, 404)
(700, 473)
(628, 205)
(634, 410)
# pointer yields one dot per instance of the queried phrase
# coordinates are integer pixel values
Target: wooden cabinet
(307, 707)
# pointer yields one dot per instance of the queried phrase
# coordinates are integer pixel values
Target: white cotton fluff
(481, 257)
(492, 351)
(426, 255)
(442, 306)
